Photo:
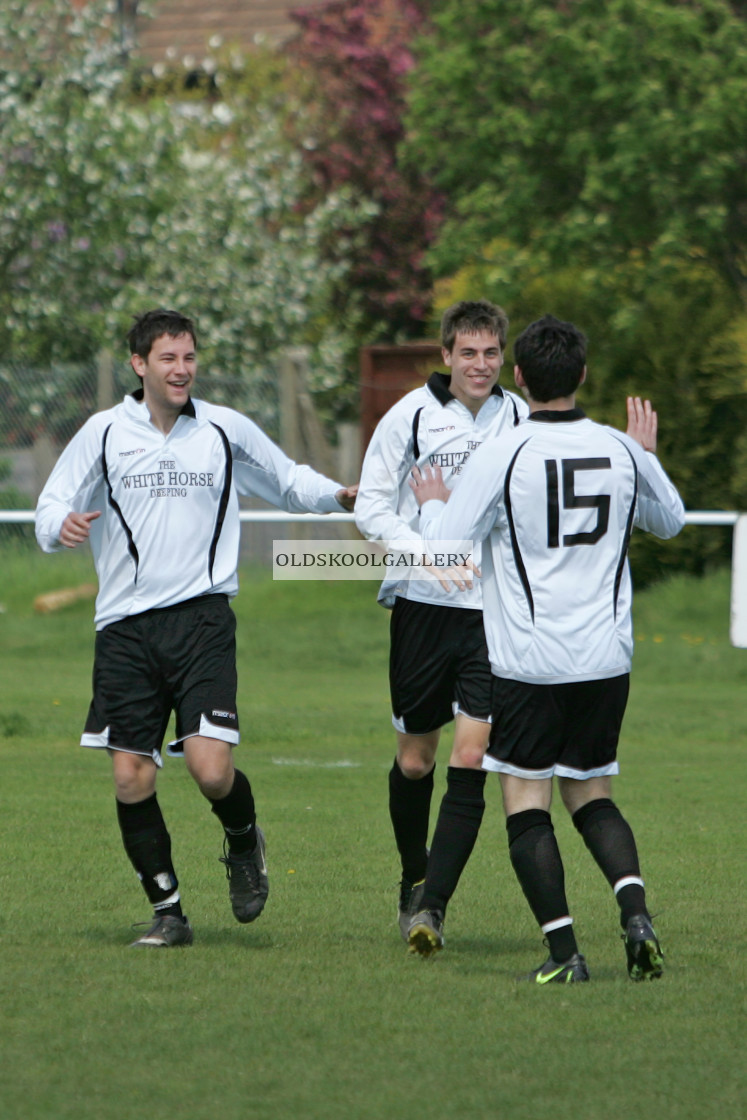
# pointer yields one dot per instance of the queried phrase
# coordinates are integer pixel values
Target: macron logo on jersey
(136, 451)
(448, 428)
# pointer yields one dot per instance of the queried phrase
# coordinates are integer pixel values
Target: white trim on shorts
(209, 731)
(583, 775)
(460, 712)
(490, 763)
(558, 771)
(398, 722)
(99, 741)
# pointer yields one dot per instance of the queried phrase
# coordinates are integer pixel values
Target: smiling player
(438, 667)
(154, 484)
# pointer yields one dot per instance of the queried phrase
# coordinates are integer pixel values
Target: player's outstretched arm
(642, 423)
(428, 484)
(474, 503)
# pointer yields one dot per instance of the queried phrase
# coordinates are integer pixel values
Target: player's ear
(137, 364)
(446, 356)
(583, 376)
(519, 378)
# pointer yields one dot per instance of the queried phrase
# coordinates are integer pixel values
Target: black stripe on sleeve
(628, 529)
(223, 504)
(518, 560)
(131, 546)
(415, 444)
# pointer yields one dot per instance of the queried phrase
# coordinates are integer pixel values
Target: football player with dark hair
(153, 483)
(557, 500)
(438, 666)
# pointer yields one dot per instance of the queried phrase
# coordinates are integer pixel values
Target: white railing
(738, 630)
(19, 516)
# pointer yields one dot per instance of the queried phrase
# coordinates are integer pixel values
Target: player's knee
(467, 756)
(416, 754)
(210, 763)
(213, 778)
(414, 767)
(134, 776)
(213, 788)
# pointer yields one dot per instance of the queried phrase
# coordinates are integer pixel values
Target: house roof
(181, 28)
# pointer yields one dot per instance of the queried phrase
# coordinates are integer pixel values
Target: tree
(111, 203)
(585, 131)
(354, 57)
(681, 341)
(593, 157)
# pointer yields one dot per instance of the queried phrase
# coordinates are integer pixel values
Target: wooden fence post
(104, 380)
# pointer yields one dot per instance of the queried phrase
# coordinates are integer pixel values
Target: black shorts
(180, 659)
(438, 666)
(571, 730)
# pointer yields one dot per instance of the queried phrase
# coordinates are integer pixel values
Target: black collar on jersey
(188, 410)
(439, 385)
(550, 416)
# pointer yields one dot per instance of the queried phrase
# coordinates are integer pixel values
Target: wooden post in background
(104, 380)
(45, 458)
(348, 451)
(291, 439)
(303, 438)
(290, 422)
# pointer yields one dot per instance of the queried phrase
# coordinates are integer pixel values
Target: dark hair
(551, 355)
(472, 317)
(153, 324)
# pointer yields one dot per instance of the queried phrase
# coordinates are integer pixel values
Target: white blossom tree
(110, 204)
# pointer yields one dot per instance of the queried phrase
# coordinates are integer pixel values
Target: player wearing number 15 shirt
(557, 500)
(562, 495)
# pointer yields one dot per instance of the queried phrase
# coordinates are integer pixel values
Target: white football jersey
(427, 427)
(169, 525)
(558, 498)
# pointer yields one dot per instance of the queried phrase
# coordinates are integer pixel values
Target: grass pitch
(316, 1012)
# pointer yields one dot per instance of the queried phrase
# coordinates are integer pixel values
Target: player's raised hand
(642, 423)
(76, 528)
(428, 484)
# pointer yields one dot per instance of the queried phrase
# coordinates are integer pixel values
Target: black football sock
(409, 809)
(148, 846)
(536, 860)
(609, 838)
(458, 824)
(236, 813)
